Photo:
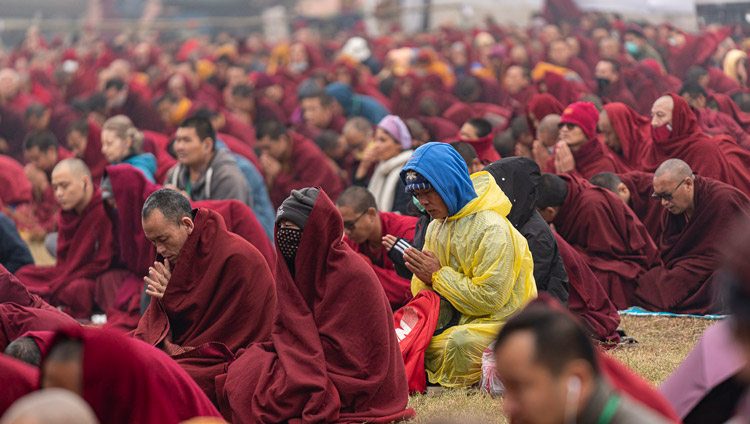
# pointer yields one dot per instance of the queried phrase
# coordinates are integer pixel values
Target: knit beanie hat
(583, 114)
(415, 181)
(394, 126)
(297, 206)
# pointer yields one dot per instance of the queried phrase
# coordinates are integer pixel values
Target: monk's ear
(188, 223)
(623, 191)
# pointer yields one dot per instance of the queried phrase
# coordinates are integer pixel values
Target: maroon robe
(689, 143)
(649, 210)
(140, 111)
(691, 251)
(440, 129)
(310, 132)
(738, 161)
(238, 128)
(728, 106)
(92, 155)
(123, 379)
(309, 167)
(12, 130)
(82, 256)
(397, 289)
(61, 118)
(618, 92)
(218, 280)
(719, 123)
(587, 299)
(326, 332)
(19, 379)
(14, 187)
(719, 82)
(16, 320)
(608, 235)
(540, 106)
(633, 131)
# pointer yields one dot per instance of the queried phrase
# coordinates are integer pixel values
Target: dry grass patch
(663, 343)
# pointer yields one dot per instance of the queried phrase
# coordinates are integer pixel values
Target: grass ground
(662, 345)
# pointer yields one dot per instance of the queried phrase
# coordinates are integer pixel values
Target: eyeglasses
(349, 225)
(570, 126)
(667, 197)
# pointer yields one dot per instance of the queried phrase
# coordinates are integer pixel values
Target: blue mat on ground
(640, 312)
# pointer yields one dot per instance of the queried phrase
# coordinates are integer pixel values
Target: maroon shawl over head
(689, 143)
(143, 378)
(691, 252)
(608, 234)
(219, 280)
(15, 320)
(82, 254)
(588, 300)
(333, 354)
(542, 105)
(633, 130)
(19, 379)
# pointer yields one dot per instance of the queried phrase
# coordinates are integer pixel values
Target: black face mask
(288, 240)
(602, 84)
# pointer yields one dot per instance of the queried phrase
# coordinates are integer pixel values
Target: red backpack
(415, 324)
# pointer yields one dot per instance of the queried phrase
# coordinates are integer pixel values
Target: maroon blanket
(691, 252)
(648, 210)
(15, 320)
(633, 131)
(219, 280)
(82, 255)
(397, 289)
(689, 143)
(333, 354)
(19, 379)
(145, 386)
(607, 233)
(587, 297)
(309, 168)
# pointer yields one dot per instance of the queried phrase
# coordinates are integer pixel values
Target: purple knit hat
(394, 126)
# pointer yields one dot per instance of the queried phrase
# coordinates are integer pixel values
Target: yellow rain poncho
(487, 275)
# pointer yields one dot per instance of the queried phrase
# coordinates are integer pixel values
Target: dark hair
(466, 87)
(116, 83)
(43, 139)
(97, 101)
(606, 180)
(203, 128)
(386, 85)
(327, 140)
(694, 73)
(481, 125)
(467, 152)
(558, 339)
(26, 350)
(172, 204)
(242, 90)
(358, 198)
(35, 110)
(206, 113)
(505, 143)
(742, 100)
(615, 65)
(552, 191)
(81, 126)
(273, 129)
(519, 126)
(693, 89)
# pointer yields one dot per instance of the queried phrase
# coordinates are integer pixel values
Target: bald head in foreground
(698, 212)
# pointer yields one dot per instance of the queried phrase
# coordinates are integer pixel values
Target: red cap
(583, 114)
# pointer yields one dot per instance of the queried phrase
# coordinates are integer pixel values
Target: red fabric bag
(415, 323)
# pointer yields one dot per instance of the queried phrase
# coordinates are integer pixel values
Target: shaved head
(76, 167)
(548, 129)
(674, 170)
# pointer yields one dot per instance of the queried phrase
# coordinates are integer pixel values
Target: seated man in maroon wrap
(84, 141)
(123, 380)
(579, 150)
(333, 354)
(598, 225)
(610, 84)
(319, 115)
(204, 282)
(697, 211)
(478, 132)
(635, 189)
(364, 229)
(85, 243)
(291, 161)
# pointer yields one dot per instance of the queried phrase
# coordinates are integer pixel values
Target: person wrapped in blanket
(473, 258)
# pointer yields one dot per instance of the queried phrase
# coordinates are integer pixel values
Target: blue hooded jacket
(446, 170)
(356, 104)
(145, 162)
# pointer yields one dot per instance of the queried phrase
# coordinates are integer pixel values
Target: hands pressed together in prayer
(423, 264)
(271, 167)
(540, 154)
(564, 161)
(158, 278)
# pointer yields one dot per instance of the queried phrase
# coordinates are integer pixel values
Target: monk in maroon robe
(84, 140)
(291, 162)
(364, 229)
(12, 130)
(610, 237)
(725, 104)
(123, 379)
(540, 106)
(676, 134)
(579, 150)
(14, 188)
(625, 132)
(16, 320)
(695, 217)
(323, 335)
(19, 379)
(82, 254)
(204, 282)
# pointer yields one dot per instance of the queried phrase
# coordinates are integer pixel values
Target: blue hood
(343, 94)
(444, 168)
(146, 162)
